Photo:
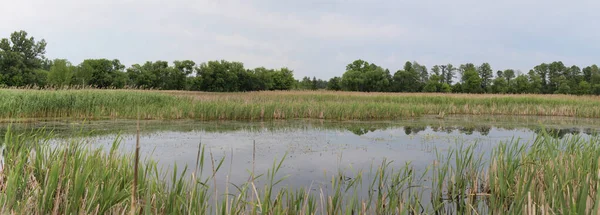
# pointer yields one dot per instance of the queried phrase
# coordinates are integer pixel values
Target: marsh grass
(123, 104)
(547, 176)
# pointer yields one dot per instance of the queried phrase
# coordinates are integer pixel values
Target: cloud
(314, 37)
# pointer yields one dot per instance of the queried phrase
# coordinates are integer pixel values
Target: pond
(314, 150)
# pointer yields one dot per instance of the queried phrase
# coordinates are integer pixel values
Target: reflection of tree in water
(484, 130)
(414, 129)
(558, 132)
(466, 130)
(360, 130)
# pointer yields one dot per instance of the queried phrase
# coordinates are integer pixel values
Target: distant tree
(588, 71)
(485, 73)
(283, 79)
(407, 80)
(448, 72)
(334, 84)
(470, 79)
(583, 88)
(306, 84)
(365, 77)
(433, 84)
(520, 85)
(179, 76)
(563, 87)
(21, 58)
(422, 71)
(535, 82)
(508, 74)
(445, 88)
(220, 76)
(60, 73)
(101, 73)
(542, 71)
(499, 85)
(555, 71)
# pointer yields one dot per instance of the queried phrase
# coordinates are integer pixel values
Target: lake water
(314, 150)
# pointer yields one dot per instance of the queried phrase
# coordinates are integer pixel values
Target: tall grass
(547, 176)
(123, 104)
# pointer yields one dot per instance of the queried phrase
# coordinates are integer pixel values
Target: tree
(448, 73)
(101, 73)
(508, 74)
(283, 79)
(422, 71)
(588, 71)
(434, 84)
(583, 88)
(179, 76)
(555, 71)
(306, 84)
(485, 73)
(334, 84)
(220, 76)
(563, 87)
(20, 57)
(520, 85)
(470, 79)
(407, 80)
(365, 77)
(60, 73)
(542, 72)
(499, 85)
(535, 82)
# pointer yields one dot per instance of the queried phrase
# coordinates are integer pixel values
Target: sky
(314, 37)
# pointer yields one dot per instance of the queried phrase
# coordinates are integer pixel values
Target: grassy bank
(124, 104)
(548, 176)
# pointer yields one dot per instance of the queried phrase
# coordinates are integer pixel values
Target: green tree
(20, 58)
(448, 73)
(520, 85)
(283, 79)
(485, 73)
(508, 74)
(101, 73)
(470, 79)
(365, 77)
(499, 85)
(60, 73)
(334, 84)
(179, 76)
(407, 80)
(542, 71)
(555, 71)
(535, 82)
(563, 87)
(584, 88)
(588, 71)
(220, 76)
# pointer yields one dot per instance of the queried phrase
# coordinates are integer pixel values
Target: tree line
(546, 78)
(22, 63)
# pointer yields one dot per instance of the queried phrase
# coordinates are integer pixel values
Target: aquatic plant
(548, 176)
(125, 104)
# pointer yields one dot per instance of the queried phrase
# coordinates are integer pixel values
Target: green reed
(548, 175)
(125, 104)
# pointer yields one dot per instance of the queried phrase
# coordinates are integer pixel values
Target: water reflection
(315, 150)
(557, 127)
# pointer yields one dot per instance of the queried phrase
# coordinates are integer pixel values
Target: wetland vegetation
(421, 160)
(127, 104)
(547, 175)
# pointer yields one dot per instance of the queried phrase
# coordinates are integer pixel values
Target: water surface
(313, 150)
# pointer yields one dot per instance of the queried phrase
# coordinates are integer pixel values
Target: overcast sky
(314, 37)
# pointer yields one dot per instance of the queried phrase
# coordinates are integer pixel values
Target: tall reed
(546, 176)
(123, 104)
